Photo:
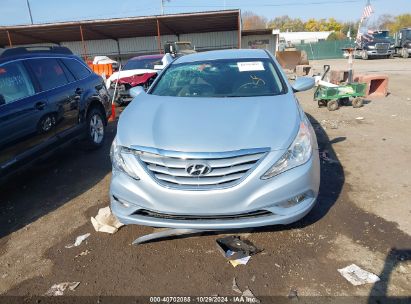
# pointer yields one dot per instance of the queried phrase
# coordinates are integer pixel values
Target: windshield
(184, 46)
(220, 78)
(136, 64)
(408, 35)
(381, 35)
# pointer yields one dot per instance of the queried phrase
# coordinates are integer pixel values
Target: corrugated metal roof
(175, 24)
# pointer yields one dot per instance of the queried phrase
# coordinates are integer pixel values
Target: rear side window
(79, 70)
(15, 83)
(48, 72)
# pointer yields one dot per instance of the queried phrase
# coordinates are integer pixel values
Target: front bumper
(252, 203)
(379, 53)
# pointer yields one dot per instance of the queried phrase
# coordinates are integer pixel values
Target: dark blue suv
(48, 97)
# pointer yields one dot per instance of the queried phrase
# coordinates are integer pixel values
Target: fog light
(293, 201)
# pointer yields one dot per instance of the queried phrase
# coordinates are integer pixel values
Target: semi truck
(402, 41)
(375, 44)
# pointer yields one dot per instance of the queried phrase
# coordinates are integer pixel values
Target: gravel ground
(362, 217)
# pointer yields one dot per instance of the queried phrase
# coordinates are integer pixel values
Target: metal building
(122, 38)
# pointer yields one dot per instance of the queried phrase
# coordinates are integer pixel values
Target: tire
(333, 105)
(364, 55)
(95, 130)
(357, 102)
(404, 53)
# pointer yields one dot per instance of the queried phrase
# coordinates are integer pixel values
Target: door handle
(40, 105)
(79, 91)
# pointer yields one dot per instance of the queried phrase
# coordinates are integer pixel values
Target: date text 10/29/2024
(204, 299)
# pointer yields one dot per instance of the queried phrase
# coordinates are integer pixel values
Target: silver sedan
(219, 141)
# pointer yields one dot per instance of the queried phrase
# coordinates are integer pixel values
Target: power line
(273, 5)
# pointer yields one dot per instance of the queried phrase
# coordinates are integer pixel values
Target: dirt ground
(362, 217)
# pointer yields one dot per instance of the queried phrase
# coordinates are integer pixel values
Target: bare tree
(252, 21)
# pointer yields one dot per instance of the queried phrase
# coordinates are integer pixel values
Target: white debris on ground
(235, 286)
(105, 221)
(250, 297)
(83, 253)
(360, 118)
(58, 289)
(357, 276)
(240, 261)
(79, 240)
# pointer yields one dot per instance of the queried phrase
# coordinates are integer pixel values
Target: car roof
(35, 55)
(223, 54)
(156, 56)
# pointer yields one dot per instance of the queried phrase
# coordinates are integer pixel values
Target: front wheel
(95, 129)
(333, 105)
(404, 53)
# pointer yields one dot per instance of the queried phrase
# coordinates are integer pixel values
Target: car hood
(209, 124)
(127, 73)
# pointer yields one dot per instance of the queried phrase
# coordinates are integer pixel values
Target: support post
(239, 30)
(118, 50)
(158, 37)
(84, 44)
(9, 37)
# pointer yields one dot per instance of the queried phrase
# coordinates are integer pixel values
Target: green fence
(325, 49)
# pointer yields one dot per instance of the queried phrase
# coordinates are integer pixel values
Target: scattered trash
(357, 276)
(293, 294)
(253, 278)
(78, 241)
(360, 118)
(58, 289)
(237, 251)
(394, 115)
(241, 261)
(85, 252)
(105, 221)
(250, 297)
(324, 155)
(276, 265)
(408, 99)
(235, 286)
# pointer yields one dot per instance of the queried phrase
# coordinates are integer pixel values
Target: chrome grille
(169, 168)
(382, 47)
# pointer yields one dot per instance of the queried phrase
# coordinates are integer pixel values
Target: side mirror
(134, 92)
(303, 84)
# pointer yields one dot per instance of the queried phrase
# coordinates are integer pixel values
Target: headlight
(392, 46)
(297, 154)
(371, 47)
(118, 162)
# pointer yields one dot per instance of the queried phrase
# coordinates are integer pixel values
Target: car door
(58, 86)
(21, 110)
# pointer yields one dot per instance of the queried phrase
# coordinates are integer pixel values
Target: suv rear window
(15, 83)
(79, 70)
(48, 72)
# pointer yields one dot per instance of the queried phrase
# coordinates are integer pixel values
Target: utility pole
(162, 7)
(28, 6)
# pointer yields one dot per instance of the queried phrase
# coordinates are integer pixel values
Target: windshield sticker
(250, 66)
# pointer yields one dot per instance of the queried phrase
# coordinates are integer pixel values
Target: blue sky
(14, 12)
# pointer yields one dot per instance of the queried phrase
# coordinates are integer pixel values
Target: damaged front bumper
(252, 203)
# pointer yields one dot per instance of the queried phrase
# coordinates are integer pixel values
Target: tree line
(340, 29)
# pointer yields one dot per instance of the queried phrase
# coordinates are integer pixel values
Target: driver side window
(15, 83)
